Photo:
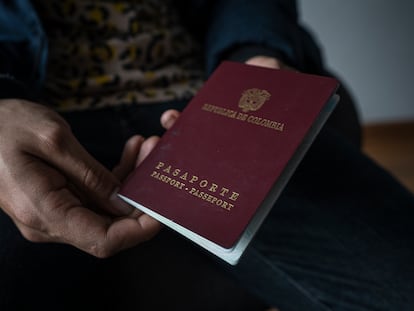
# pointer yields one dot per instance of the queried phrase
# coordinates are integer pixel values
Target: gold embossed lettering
(224, 191)
(193, 179)
(234, 196)
(213, 187)
(160, 165)
(242, 116)
(203, 183)
(174, 176)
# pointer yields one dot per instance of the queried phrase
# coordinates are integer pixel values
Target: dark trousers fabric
(339, 238)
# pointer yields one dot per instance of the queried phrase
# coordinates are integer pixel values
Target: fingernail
(120, 205)
(170, 121)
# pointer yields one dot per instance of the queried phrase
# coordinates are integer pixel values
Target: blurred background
(370, 45)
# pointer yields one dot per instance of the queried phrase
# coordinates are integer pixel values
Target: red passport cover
(213, 169)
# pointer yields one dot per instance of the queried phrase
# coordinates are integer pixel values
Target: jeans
(340, 237)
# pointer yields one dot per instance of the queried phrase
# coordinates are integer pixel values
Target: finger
(264, 61)
(146, 148)
(36, 196)
(128, 232)
(49, 212)
(128, 158)
(269, 62)
(97, 235)
(169, 117)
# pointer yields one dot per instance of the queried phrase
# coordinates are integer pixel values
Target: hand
(54, 191)
(268, 62)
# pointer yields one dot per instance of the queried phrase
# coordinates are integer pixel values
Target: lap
(165, 273)
(339, 238)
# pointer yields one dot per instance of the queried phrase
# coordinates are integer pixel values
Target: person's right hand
(54, 191)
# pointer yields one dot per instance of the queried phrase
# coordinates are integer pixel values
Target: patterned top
(106, 53)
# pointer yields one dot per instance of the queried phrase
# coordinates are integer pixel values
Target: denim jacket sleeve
(270, 26)
(23, 50)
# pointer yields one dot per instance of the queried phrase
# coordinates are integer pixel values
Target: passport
(215, 175)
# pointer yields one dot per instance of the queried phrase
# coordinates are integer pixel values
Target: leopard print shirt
(106, 53)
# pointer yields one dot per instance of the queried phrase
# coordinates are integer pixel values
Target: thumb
(95, 183)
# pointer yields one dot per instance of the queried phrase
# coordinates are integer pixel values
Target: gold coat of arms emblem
(253, 99)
